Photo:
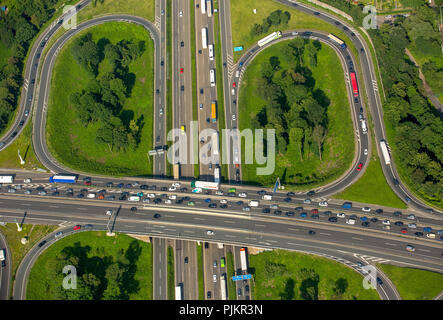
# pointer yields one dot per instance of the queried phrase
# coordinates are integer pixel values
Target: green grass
(5, 53)
(168, 62)
(73, 144)
(339, 144)
(230, 271)
(201, 281)
(23, 142)
(278, 276)
(414, 284)
(34, 232)
(144, 9)
(242, 20)
(99, 251)
(171, 274)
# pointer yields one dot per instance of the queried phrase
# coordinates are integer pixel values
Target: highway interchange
(232, 226)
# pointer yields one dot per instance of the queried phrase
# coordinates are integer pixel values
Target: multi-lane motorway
(233, 226)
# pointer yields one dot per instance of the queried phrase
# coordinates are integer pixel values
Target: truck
(340, 42)
(177, 171)
(213, 111)
(354, 84)
(363, 126)
(214, 139)
(254, 203)
(269, 38)
(212, 77)
(385, 152)
(134, 198)
(238, 48)
(203, 6)
(2, 255)
(209, 7)
(61, 178)
(204, 38)
(267, 197)
(211, 51)
(217, 174)
(223, 286)
(179, 292)
(7, 179)
(347, 205)
(205, 185)
(220, 245)
(244, 266)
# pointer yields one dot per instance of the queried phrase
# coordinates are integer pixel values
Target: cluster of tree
(418, 127)
(98, 278)
(354, 10)
(18, 27)
(296, 111)
(276, 18)
(104, 96)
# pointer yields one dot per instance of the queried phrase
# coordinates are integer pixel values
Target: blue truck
(347, 205)
(62, 179)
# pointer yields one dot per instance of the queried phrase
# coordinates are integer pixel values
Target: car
(395, 182)
(208, 295)
(41, 193)
(247, 289)
(120, 185)
(379, 211)
(181, 70)
(214, 264)
(273, 206)
(246, 208)
(379, 281)
(315, 216)
(323, 203)
(214, 278)
(427, 229)
(299, 208)
(404, 230)
(233, 117)
(314, 211)
(26, 112)
(398, 223)
(109, 212)
(366, 209)
(41, 244)
(163, 12)
(397, 214)
(386, 227)
(307, 201)
(412, 225)
(182, 44)
(374, 220)
(360, 264)
(212, 205)
(133, 209)
(243, 195)
(55, 194)
(430, 235)
(411, 217)
(290, 194)
(110, 198)
(365, 224)
(316, 13)
(32, 81)
(418, 234)
(266, 210)
(239, 292)
(30, 98)
(410, 248)
(21, 123)
(13, 134)
(341, 215)
(223, 206)
(233, 91)
(332, 219)
(28, 191)
(362, 50)
(311, 232)
(80, 195)
(58, 234)
(287, 199)
(186, 260)
(327, 213)
(278, 212)
(363, 218)
(210, 232)
(360, 165)
(201, 91)
(407, 199)
(365, 152)
(157, 216)
(77, 227)
(290, 213)
(234, 84)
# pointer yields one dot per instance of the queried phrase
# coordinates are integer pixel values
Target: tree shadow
(101, 47)
(340, 286)
(130, 284)
(289, 292)
(126, 116)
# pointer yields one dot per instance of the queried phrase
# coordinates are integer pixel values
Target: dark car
(239, 203)
(379, 211)
(144, 187)
(80, 195)
(162, 63)
(311, 232)
(201, 91)
(239, 292)
(120, 185)
(128, 185)
(419, 234)
(332, 219)
(110, 184)
(186, 198)
(374, 220)
(395, 182)
(186, 260)
(157, 215)
(316, 13)
(266, 210)
(182, 44)
(157, 200)
(246, 289)
(290, 194)
(212, 205)
(315, 216)
(398, 223)
(223, 206)
(337, 23)
(182, 88)
(21, 122)
(261, 192)
(397, 214)
(41, 244)
(179, 201)
(287, 199)
(184, 189)
(134, 209)
(164, 189)
(110, 198)
(278, 212)
(14, 134)
(379, 281)
(365, 224)
(209, 295)
(290, 213)
(310, 193)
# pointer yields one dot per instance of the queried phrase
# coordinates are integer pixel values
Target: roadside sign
(277, 184)
(242, 277)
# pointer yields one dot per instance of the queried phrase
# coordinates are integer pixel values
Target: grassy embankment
(285, 275)
(96, 252)
(73, 144)
(339, 145)
(171, 274)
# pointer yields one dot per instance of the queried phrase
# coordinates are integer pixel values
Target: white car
(172, 188)
(350, 221)
(181, 13)
(173, 197)
(109, 212)
(214, 277)
(387, 227)
(341, 215)
(150, 195)
(176, 184)
(168, 201)
(411, 217)
(365, 152)
(146, 200)
(323, 204)
(223, 201)
(219, 192)
(233, 117)
(366, 209)
(386, 222)
(233, 91)
(307, 201)
(243, 195)
(27, 180)
(412, 225)
(210, 232)
(91, 195)
(430, 235)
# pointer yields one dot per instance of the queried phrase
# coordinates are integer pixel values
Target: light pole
(22, 162)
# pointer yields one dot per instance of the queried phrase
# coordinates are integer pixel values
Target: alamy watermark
(193, 147)
(69, 17)
(70, 281)
(369, 281)
(370, 21)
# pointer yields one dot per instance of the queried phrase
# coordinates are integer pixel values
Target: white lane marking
(425, 250)
(54, 206)
(24, 204)
(81, 208)
(227, 221)
(260, 225)
(326, 234)
(189, 231)
(356, 238)
(199, 219)
(390, 244)
(170, 229)
(230, 236)
(293, 229)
